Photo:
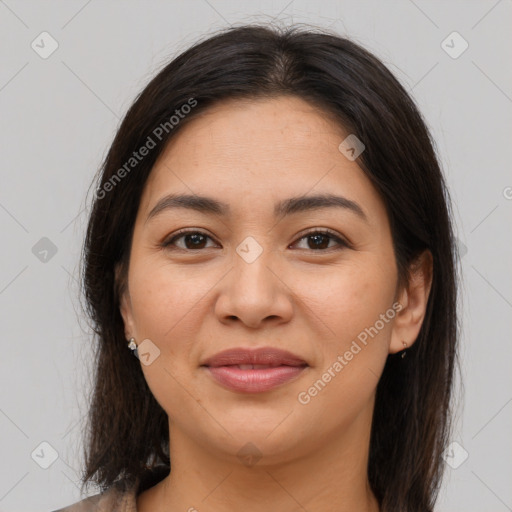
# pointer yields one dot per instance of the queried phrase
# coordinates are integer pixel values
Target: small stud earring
(131, 344)
(404, 353)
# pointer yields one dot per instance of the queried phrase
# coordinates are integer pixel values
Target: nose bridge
(253, 290)
(251, 269)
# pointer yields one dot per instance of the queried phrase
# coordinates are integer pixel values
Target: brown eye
(190, 240)
(319, 241)
(322, 240)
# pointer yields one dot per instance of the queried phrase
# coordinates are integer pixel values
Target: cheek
(164, 298)
(351, 303)
(348, 298)
(165, 303)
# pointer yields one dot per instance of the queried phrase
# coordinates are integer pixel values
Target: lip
(264, 355)
(280, 367)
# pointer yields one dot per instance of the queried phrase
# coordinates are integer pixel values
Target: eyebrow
(285, 207)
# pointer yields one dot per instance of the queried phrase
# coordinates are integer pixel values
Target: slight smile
(254, 370)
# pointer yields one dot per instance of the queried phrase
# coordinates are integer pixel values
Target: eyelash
(325, 231)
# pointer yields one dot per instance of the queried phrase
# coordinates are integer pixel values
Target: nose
(255, 294)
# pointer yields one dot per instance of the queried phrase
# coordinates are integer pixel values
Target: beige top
(121, 497)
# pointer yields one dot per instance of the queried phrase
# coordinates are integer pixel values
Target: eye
(319, 240)
(192, 240)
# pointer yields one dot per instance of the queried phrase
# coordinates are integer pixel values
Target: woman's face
(247, 276)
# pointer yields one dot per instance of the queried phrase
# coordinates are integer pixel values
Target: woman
(270, 269)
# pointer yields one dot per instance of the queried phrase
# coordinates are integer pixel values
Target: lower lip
(255, 380)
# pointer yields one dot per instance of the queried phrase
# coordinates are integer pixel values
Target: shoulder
(111, 500)
(122, 496)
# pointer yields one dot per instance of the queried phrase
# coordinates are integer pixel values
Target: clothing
(120, 497)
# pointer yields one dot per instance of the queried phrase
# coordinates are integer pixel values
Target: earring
(404, 353)
(131, 344)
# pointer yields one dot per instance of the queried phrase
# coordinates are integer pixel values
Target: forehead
(258, 126)
(249, 149)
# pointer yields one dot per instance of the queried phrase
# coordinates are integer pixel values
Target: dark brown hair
(127, 428)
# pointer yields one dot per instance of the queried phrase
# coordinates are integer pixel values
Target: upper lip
(264, 356)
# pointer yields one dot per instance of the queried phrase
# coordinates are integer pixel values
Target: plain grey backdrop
(70, 69)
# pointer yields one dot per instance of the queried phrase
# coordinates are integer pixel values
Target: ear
(125, 305)
(413, 299)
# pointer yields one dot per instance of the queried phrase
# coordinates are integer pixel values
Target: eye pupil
(197, 240)
(318, 241)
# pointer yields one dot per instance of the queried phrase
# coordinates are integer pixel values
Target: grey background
(58, 117)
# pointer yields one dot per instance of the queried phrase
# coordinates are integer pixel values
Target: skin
(193, 303)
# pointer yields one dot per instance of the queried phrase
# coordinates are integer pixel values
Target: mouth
(264, 356)
(253, 366)
(254, 370)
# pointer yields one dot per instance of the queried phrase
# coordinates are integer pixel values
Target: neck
(330, 477)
